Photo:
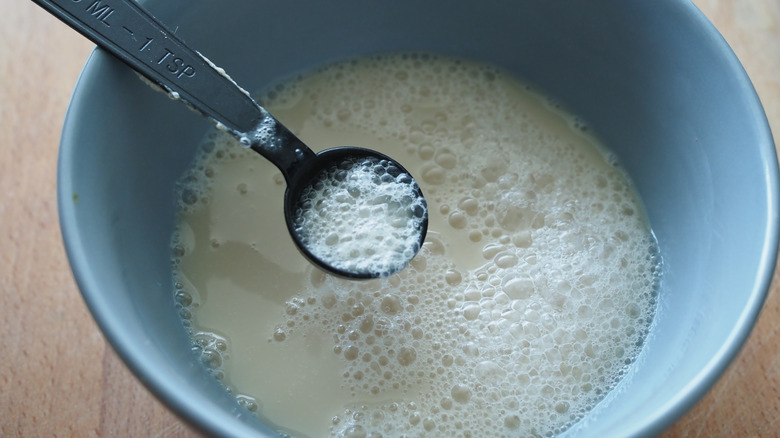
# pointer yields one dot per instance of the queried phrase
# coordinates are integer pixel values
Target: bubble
(512, 421)
(391, 304)
(356, 431)
(183, 298)
(461, 393)
(490, 250)
(446, 159)
(505, 261)
(247, 402)
(351, 353)
(453, 277)
(471, 349)
(189, 196)
(489, 372)
(457, 220)
(518, 288)
(211, 349)
(522, 239)
(406, 356)
(426, 151)
(471, 312)
(469, 205)
(562, 407)
(433, 174)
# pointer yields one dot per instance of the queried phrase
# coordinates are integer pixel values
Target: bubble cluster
(527, 346)
(361, 215)
(193, 187)
(534, 290)
(210, 348)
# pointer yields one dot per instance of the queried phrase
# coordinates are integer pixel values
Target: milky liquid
(530, 298)
(362, 216)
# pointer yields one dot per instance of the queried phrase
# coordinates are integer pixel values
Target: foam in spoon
(362, 215)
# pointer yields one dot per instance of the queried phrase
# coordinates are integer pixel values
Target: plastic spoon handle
(133, 35)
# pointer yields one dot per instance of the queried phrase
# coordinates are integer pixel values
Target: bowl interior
(654, 80)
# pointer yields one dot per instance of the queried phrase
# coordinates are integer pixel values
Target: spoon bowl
(400, 225)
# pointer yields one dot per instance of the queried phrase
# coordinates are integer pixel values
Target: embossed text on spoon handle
(133, 35)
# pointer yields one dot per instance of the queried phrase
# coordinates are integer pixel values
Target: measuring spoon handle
(132, 34)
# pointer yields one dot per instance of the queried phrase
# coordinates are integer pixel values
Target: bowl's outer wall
(653, 79)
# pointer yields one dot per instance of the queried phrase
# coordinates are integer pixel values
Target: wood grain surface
(58, 377)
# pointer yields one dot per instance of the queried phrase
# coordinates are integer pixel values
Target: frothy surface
(361, 215)
(530, 298)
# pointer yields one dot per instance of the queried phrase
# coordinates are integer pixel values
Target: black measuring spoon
(391, 235)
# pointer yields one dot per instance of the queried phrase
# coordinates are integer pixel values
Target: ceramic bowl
(655, 80)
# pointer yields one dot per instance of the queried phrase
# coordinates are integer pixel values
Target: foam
(527, 303)
(361, 215)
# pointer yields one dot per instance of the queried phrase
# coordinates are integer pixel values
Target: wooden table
(58, 377)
